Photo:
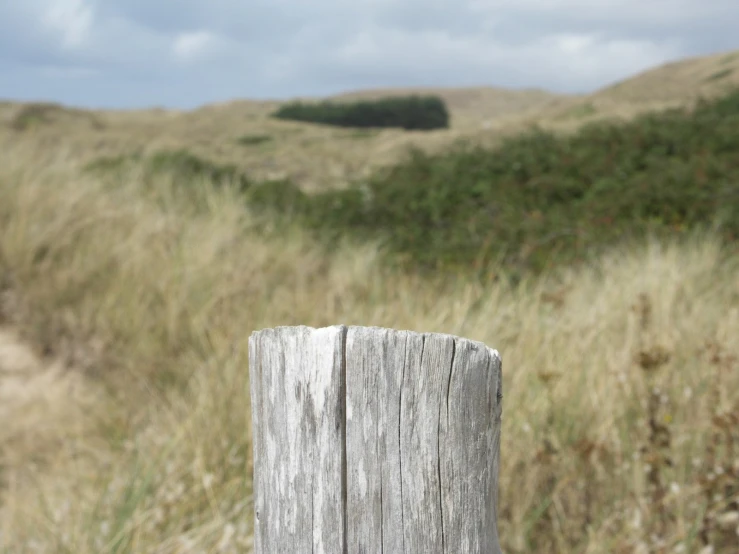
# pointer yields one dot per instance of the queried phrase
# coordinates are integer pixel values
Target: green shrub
(540, 199)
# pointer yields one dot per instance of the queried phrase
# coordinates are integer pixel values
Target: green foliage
(110, 164)
(720, 75)
(180, 164)
(186, 166)
(540, 199)
(37, 114)
(410, 113)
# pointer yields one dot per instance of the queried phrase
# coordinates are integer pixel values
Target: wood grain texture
(370, 440)
(297, 418)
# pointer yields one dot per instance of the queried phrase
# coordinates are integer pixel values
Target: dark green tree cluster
(409, 112)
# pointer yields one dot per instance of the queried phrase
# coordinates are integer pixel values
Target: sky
(186, 53)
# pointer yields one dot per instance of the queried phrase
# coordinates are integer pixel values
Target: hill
(241, 133)
(674, 84)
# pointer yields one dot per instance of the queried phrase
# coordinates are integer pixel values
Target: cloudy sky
(184, 53)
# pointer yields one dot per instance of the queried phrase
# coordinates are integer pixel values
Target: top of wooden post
(374, 440)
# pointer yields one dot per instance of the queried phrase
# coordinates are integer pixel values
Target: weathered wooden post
(370, 440)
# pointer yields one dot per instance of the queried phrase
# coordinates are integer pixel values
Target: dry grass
(619, 429)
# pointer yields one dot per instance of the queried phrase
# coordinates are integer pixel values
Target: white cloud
(194, 45)
(70, 20)
(574, 44)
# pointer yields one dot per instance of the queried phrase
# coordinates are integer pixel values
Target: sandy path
(44, 410)
(28, 387)
(42, 404)
(20, 371)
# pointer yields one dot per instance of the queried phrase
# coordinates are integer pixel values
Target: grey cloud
(288, 48)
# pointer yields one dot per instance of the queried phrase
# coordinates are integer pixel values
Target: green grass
(32, 115)
(254, 140)
(363, 133)
(580, 111)
(180, 165)
(720, 75)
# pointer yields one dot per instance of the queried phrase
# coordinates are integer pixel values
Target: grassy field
(138, 294)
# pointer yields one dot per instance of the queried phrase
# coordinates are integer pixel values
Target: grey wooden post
(370, 440)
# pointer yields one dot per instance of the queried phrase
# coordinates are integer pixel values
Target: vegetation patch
(363, 133)
(541, 199)
(410, 112)
(111, 164)
(270, 199)
(720, 75)
(728, 58)
(32, 115)
(580, 111)
(187, 166)
(253, 140)
(182, 165)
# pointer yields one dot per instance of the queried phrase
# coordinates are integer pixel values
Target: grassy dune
(620, 377)
(318, 157)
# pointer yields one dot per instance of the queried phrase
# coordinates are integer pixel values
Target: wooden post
(370, 440)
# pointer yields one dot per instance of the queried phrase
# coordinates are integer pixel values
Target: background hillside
(316, 157)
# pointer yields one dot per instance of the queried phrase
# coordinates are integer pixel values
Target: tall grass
(616, 376)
